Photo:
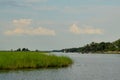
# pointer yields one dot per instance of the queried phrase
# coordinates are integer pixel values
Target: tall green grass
(21, 60)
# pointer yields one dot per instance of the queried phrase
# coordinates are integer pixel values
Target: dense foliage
(96, 47)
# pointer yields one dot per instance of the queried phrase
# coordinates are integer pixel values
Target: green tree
(25, 49)
(19, 49)
(117, 44)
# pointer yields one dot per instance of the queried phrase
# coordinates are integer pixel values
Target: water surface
(85, 67)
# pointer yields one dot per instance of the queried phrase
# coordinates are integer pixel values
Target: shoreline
(97, 52)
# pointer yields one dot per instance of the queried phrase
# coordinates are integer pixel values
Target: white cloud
(22, 28)
(22, 22)
(87, 30)
(30, 31)
(74, 29)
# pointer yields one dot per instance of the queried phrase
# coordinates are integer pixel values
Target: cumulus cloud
(22, 22)
(87, 30)
(22, 28)
(74, 29)
(30, 31)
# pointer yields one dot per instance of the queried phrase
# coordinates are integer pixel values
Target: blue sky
(57, 24)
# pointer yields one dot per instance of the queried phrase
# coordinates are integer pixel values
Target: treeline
(24, 49)
(27, 50)
(96, 47)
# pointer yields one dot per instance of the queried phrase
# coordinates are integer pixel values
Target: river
(85, 67)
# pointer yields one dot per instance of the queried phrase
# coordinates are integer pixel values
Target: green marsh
(23, 60)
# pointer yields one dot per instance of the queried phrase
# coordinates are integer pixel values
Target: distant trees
(19, 49)
(23, 49)
(96, 47)
(26, 49)
(117, 44)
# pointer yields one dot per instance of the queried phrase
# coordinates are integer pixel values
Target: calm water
(85, 67)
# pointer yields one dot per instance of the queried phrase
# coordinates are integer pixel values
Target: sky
(57, 24)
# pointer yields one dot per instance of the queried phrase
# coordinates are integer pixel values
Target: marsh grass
(24, 60)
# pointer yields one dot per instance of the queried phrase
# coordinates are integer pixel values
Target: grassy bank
(22, 60)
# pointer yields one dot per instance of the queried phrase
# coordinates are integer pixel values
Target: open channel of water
(85, 67)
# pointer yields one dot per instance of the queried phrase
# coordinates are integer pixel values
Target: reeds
(23, 60)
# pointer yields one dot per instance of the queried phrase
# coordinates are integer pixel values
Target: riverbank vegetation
(102, 47)
(29, 59)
